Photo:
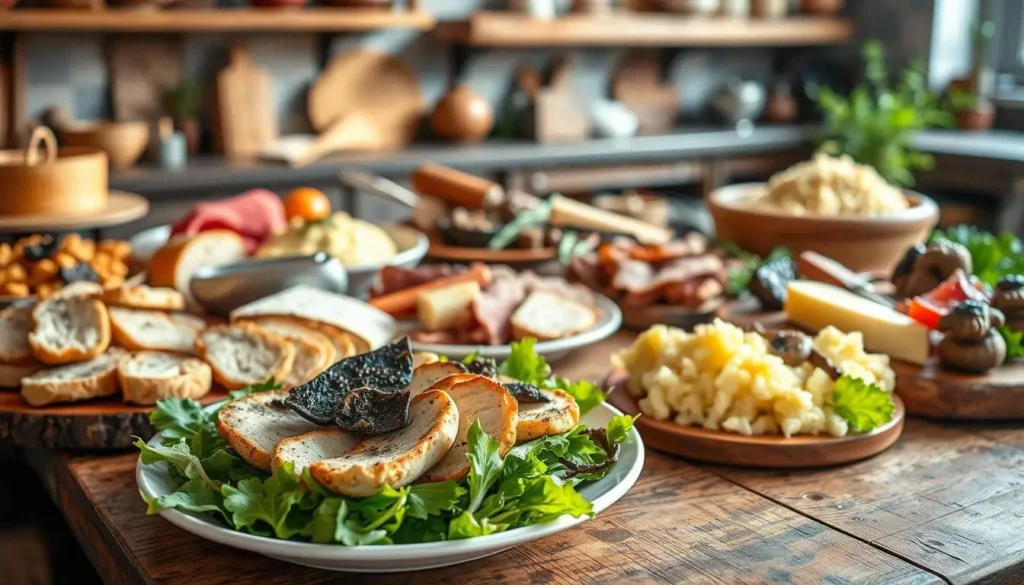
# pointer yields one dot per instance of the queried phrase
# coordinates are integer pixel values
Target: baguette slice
(314, 351)
(11, 375)
(144, 297)
(74, 382)
(173, 265)
(69, 329)
(547, 316)
(396, 458)
(149, 376)
(541, 419)
(424, 377)
(344, 343)
(316, 445)
(244, 354)
(254, 425)
(15, 325)
(484, 400)
(141, 330)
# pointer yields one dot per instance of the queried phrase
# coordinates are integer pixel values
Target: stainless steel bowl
(221, 289)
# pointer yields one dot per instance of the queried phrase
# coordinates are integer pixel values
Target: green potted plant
(875, 124)
(182, 103)
(973, 112)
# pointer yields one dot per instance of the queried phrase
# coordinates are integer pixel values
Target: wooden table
(945, 505)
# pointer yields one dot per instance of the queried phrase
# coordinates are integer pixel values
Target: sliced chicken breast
(426, 375)
(316, 445)
(478, 399)
(541, 419)
(254, 425)
(397, 458)
(449, 382)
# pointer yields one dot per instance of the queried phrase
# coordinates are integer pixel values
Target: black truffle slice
(770, 281)
(482, 366)
(524, 392)
(368, 411)
(81, 272)
(388, 369)
(45, 249)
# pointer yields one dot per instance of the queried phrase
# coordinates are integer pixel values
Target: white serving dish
(154, 480)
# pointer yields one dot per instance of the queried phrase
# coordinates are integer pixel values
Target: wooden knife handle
(456, 187)
(814, 266)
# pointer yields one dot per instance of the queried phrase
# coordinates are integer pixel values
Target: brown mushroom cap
(1008, 295)
(969, 320)
(794, 347)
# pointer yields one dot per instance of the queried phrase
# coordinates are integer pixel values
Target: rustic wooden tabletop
(945, 505)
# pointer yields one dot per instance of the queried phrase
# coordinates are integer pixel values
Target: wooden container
(863, 244)
(124, 142)
(66, 181)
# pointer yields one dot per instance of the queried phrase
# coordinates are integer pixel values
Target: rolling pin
(572, 213)
(456, 187)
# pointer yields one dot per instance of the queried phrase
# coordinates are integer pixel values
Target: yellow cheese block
(816, 305)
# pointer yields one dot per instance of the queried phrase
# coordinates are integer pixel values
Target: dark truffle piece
(368, 411)
(770, 281)
(388, 369)
(527, 393)
(482, 366)
(81, 272)
(44, 249)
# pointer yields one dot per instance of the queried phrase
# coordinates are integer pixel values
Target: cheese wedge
(816, 305)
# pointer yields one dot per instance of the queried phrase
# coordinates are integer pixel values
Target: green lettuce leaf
(587, 394)
(524, 364)
(1014, 342)
(485, 465)
(178, 457)
(619, 427)
(331, 524)
(862, 405)
(256, 505)
(193, 496)
(433, 499)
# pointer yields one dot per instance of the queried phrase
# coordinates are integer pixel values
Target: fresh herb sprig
(738, 279)
(992, 257)
(862, 405)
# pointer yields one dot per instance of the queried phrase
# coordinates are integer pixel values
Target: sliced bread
(15, 325)
(145, 297)
(254, 425)
(314, 351)
(541, 419)
(243, 354)
(173, 265)
(544, 316)
(74, 382)
(149, 376)
(11, 375)
(69, 329)
(140, 330)
(316, 445)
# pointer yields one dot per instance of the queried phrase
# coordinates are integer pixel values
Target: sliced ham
(255, 215)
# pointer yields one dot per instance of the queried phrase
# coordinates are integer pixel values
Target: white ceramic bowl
(154, 480)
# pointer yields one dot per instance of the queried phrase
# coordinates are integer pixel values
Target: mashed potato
(831, 186)
(723, 378)
(352, 241)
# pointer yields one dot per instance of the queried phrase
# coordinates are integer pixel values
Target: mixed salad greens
(534, 483)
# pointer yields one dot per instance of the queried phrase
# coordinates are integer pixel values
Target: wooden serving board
(639, 318)
(762, 451)
(106, 423)
(246, 122)
(932, 391)
(440, 251)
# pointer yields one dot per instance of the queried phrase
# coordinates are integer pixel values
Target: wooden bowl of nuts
(37, 266)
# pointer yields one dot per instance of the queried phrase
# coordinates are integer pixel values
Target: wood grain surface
(944, 504)
(932, 391)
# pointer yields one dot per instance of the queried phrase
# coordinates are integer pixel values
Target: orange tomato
(308, 203)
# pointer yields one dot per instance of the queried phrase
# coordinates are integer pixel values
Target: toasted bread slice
(149, 376)
(69, 329)
(144, 297)
(425, 376)
(15, 325)
(173, 265)
(316, 445)
(484, 400)
(254, 425)
(422, 358)
(141, 330)
(546, 316)
(540, 419)
(396, 458)
(344, 344)
(244, 354)
(74, 382)
(314, 351)
(11, 375)
(449, 382)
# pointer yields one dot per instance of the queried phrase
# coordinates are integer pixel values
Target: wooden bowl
(864, 244)
(53, 182)
(124, 142)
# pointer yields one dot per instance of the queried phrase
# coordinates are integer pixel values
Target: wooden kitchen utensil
(557, 112)
(142, 69)
(456, 187)
(354, 131)
(377, 84)
(638, 85)
(245, 122)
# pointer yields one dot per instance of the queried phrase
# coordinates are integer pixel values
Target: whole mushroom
(922, 271)
(972, 342)
(1008, 297)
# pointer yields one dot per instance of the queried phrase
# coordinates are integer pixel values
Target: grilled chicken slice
(541, 419)
(397, 458)
(478, 399)
(255, 424)
(425, 376)
(316, 445)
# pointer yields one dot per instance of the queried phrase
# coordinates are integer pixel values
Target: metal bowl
(221, 289)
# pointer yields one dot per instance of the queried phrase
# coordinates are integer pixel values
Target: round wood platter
(756, 451)
(121, 208)
(931, 391)
(464, 255)
(105, 423)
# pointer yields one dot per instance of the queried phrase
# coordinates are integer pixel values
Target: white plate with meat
(155, 480)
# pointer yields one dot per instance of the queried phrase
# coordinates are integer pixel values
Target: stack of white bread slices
(445, 401)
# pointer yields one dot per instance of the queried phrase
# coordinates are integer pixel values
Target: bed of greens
(534, 483)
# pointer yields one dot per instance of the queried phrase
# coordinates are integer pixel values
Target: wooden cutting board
(142, 69)
(932, 391)
(376, 84)
(244, 117)
(638, 85)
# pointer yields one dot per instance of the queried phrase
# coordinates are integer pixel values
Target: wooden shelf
(509, 29)
(214, 20)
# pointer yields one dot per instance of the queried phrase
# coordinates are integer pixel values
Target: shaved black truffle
(524, 392)
(387, 370)
(368, 411)
(482, 366)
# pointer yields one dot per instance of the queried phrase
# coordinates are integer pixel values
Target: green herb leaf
(862, 405)
(465, 525)
(179, 457)
(178, 418)
(386, 509)
(432, 499)
(1014, 342)
(192, 496)
(331, 524)
(619, 427)
(524, 364)
(587, 394)
(528, 218)
(992, 257)
(485, 465)
(256, 504)
(268, 386)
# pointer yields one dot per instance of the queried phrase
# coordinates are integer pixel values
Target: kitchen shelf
(214, 20)
(510, 29)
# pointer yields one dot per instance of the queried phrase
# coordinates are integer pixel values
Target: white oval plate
(154, 480)
(606, 326)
